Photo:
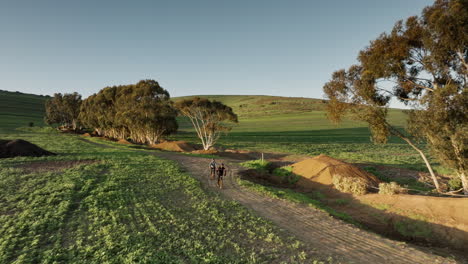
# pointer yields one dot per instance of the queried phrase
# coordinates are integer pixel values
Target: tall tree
(209, 118)
(142, 112)
(422, 62)
(146, 111)
(63, 109)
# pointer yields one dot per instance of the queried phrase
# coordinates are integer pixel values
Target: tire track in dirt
(325, 234)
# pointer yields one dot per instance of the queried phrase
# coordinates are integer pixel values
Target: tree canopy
(209, 118)
(142, 112)
(422, 62)
(63, 110)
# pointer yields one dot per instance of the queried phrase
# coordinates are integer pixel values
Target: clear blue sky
(273, 47)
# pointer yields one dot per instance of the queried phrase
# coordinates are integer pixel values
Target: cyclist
(212, 169)
(221, 173)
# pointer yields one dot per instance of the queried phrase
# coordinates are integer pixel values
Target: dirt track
(344, 242)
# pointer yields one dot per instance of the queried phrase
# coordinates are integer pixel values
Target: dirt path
(343, 241)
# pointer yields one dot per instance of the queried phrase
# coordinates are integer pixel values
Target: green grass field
(125, 207)
(18, 109)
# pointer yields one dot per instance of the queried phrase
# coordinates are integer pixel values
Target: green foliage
(425, 59)
(342, 201)
(259, 165)
(413, 227)
(142, 112)
(63, 110)
(118, 208)
(286, 174)
(455, 183)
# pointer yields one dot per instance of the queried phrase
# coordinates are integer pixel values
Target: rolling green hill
(259, 113)
(300, 126)
(18, 109)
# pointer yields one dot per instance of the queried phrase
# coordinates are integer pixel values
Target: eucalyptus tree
(146, 111)
(142, 112)
(209, 118)
(422, 62)
(63, 110)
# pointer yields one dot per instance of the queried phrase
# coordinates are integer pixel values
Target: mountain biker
(221, 173)
(212, 169)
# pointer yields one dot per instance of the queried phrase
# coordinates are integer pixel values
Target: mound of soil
(124, 141)
(319, 171)
(202, 151)
(86, 135)
(19, 147)
(179, 146)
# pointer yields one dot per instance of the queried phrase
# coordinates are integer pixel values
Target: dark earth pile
(19, 147)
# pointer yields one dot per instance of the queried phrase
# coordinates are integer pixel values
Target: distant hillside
(261, 105)
(18, 109)
(275, 113)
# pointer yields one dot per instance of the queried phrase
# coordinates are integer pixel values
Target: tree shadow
(379, 218)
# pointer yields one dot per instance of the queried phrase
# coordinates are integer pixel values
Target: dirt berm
(179, 146)
(19, 147)
(318, 172)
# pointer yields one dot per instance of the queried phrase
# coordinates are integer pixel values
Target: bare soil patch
(46, 166)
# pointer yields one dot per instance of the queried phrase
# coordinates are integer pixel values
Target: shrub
(286, 174)
(455, 184)
(391, 188)
(350, 184)
(260, 165)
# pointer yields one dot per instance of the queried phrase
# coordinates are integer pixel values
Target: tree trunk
(464, 180)
(397, 133)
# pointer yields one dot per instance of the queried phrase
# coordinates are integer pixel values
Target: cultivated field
(96, 205)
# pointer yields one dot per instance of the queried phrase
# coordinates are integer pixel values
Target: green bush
(455, 184)
(413, 228)
(391, 188)
(286, 174)
(260, 165)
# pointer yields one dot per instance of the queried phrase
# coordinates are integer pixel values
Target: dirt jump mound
(323, 171)
(124, 141)
(179, 146)
(19, 147)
